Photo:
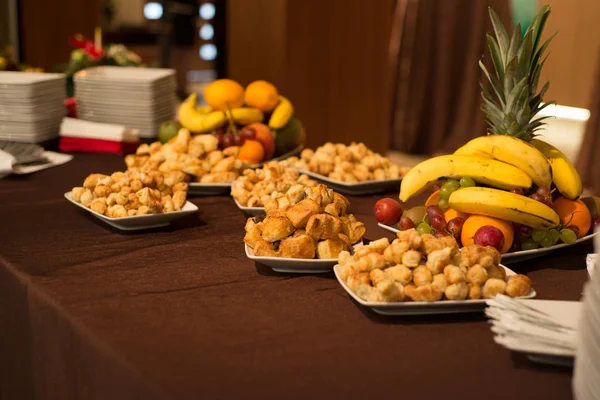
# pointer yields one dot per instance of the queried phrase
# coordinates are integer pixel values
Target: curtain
(588, 162)
(434, 52)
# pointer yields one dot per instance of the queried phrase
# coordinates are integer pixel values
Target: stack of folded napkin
(77, 135)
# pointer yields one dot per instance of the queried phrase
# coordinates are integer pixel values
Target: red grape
(455, 226)
(405, 224)
(437, 187)
(437, 222)
(439, 234)
(388, 211)
(489, 235)
(432, 211)
(544, 191)
(248, 133)
(522, 233)
(220, 138)
(238, 140)
(518, 191)
(227, 141)
(537, 197)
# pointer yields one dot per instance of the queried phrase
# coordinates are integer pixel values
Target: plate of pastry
(303, 231)
(521, 255)
(132, 200)
(209, 169)
(352, 170)
(421, 274)
(255, 187)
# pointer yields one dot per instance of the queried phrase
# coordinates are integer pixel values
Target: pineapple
(513, 100)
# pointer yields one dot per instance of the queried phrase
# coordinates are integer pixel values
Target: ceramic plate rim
(372, 182)
(312, 261)
(249, 210)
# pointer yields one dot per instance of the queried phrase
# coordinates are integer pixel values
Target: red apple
(265, 136)
(388, 211)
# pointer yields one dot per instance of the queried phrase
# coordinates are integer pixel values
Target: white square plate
(253, 211)
(124, 74)
(296, 265)
(140, 222)
(357, 189)
(422, 307)
(518, 256)
(209, 189)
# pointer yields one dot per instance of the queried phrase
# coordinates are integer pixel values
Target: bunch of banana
(564, 175)
(281, 114)
(204, 119)
(504, 205)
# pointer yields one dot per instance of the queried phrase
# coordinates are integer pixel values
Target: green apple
(168, 130)
(289, 137)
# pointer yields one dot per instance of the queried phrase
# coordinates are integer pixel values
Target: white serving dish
(423, 307)
(295, 265)
(209, 189)
(140, 222)
(253, 211)
(357, 189)
(518, 256)
(282, 157)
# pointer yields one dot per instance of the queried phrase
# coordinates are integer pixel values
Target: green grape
(538, 234)
(445, 192)
(529, 244)
(568, 236)
(424, 228)
(467, 182)
(555, 235)
(451, 184)
(546, 241)
(443, 204)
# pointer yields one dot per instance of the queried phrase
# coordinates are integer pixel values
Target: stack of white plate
(139, 98)
(586, 384)
(31, 105)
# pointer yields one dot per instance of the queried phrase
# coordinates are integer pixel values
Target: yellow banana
(513, 151)
(205, 109)
(504, 205)
(564, 174)
(246, 115)
(483, 170)
(282, 113)
(196, 121)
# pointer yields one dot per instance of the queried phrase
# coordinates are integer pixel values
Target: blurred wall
(330, 58)
(574, 60)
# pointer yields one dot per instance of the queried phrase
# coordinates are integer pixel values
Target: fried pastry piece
(453, 274)
(323, 226)
(474, 291)
(320, 194)
(355, 230)
(412, 237)
(493, 287)
(430, 243)
(377, 246)
(330, 248)
(422, 276)
(517, 286)
(476, 254)
(297, 247)
(457, 291)
(369, 262)
(263, 248)
(400, 273)
(296, 194)
(276, 228)
(99, 205)
(423, 293)
(496, 272)
(339, 205)
(438, 260)
(411, 258)
(439, 281)
(368, 293)
(253, 232)
(301, 213)
(356, 279)
(477, 275)
(393, 253)
(76, 193)
(390, 290)
(377, 276)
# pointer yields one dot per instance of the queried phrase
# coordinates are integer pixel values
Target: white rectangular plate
(295, 265)
(140, 222)
(282, 157)
(357, 189)
(518, 256)
(209, 189)
(422, 307)
(254, 211)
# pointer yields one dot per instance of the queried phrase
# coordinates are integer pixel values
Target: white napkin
(80, 128)
(7, 163)
(591, 264)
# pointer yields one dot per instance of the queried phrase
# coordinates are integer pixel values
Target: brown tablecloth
(88, 312)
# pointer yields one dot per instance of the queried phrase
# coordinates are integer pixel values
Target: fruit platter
(510, 189)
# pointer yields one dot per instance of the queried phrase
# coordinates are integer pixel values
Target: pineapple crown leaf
(513, 100)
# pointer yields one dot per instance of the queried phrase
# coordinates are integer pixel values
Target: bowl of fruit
(508, 189)
(257, 119)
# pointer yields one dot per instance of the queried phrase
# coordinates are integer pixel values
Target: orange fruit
(265, 136)
(434, 199)
(451, 213)
(474, 222)
(224, 94)
(252, 151)
(262, 95)
(574, 212)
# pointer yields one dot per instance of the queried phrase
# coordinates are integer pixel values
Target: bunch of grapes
(545, 237)
(228, 139)
(543, 194)
(434, 222)
(450, 186)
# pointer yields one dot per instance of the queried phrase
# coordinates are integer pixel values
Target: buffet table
(180, 312)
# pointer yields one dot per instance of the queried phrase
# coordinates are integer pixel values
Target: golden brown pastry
(474, 292)
(355, 230)
(368, 293)
(358, 278)
(369, 262)
(477, 275)
(276, 228)
(330, 248)
(400, 273)
(411, 258)
(377, 246)
(457, 291)
(453, 274)
(253, 232)
(430, 243)
(518, 285)
(393, 253)
(422, 276)
(423, 293)
(323, 226)
(439, 281)
(339, 205)
(300, 213)
(263, 248)
(390, 290)
(411, 237)
(493, 287)
(475, 254)
(496, 272)
(438, 260)
(296, 247)
(377, 276)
